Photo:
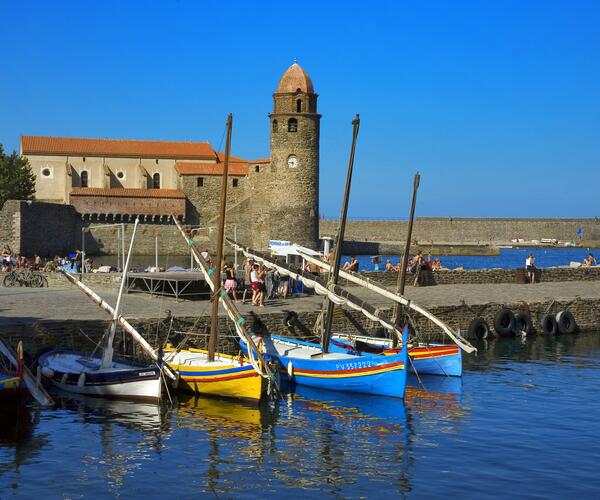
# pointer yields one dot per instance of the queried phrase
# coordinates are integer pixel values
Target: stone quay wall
(67, 333)
(444, 230)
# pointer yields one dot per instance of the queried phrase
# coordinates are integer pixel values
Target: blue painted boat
(305, 364)
(425, 359)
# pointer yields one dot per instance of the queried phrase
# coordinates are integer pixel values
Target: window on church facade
(235, 182)
(299, 106)
(274, 125)
(156, 181)
(292, 125)
(84, 179)
(200, 182)
(257, 169)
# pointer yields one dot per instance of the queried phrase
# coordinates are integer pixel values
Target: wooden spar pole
(337, 256)
(214, 313)
(404, 261)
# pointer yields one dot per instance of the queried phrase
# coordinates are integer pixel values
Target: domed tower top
(295, 79)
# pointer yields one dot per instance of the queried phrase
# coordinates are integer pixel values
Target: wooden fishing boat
(305, 363)
(424, 359)
(104, 376)
(226, 376)
(209, 372)
(11, 386)
(314, 365)
(79, 373)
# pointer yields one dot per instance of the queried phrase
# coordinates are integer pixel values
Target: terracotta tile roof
(260, 161)
(114, 147)
(232, 159)
(194, 168)
(128, 193)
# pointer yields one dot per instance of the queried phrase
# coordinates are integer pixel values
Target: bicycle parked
(26, 277)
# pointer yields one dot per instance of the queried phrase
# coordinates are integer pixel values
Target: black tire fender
(566, 322)
(549, 325)
(504, 322)
(478, 328)
(290, 319)
(523, 323)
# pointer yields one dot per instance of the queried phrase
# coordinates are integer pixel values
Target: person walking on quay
(247, 267)
(530, 267)
(230, 281)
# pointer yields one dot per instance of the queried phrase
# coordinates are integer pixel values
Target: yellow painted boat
(227, 376)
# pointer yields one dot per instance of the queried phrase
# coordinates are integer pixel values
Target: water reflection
(438, 397)
(129, 434)
(18, 444)
(581, 349)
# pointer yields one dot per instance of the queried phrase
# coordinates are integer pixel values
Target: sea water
(523, 422)
(509, 258)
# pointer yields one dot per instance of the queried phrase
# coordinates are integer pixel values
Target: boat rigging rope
(333, 292)
(238, 320)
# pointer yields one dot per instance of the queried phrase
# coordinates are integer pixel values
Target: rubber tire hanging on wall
(290, 319)
(504, 322)
(478, 328)
(549, 325)
(566, 322)
(523, 323)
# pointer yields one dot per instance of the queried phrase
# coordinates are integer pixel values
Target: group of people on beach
(70, 263)
(417, 262)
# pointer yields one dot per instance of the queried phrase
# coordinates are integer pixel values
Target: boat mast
(107, 354)
(216, 277)
(337, 256)
(404, 261)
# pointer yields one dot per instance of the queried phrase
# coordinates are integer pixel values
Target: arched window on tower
(84, 178)
(292, 125)
(156, 181)
(299, 106)
(274, 125)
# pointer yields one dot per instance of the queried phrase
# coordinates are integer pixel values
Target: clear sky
(496, 103)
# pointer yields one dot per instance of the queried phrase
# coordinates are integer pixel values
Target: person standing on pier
(530, 267)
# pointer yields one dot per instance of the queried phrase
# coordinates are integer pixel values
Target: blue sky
(496, 103)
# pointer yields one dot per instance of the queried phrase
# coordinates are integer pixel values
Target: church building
(110, 180)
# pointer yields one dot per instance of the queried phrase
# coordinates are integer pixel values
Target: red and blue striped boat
(305, 364)
(425, 359)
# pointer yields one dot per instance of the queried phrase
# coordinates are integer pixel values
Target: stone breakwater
(466, 230)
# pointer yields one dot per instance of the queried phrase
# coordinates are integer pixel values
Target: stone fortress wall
(50, 228)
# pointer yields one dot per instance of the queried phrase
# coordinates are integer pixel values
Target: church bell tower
(294, 187)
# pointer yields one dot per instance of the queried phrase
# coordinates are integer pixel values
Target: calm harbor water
(509, 258)
(523, 422)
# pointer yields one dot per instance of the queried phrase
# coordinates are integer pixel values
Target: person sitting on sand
(351, 265)
(589, 261)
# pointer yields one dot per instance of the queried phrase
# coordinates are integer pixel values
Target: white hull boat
(76, 372)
